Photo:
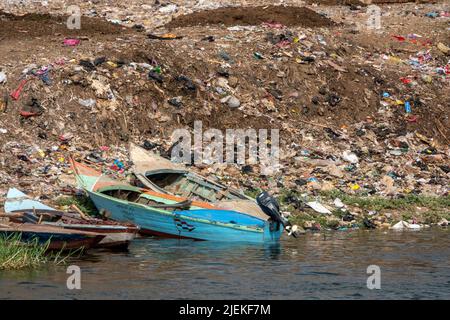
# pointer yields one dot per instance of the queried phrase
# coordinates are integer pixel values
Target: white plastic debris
(2, 130)
(241, 28)
(338, 203)
(171, 8)
(398, 226)
(414, 226)
(142, 65)
(318, 207)
(3, 77)
(88, 103)
(349, 156)
(405, 225)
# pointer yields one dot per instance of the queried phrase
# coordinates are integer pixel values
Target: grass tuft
(15, 254)
(84, 203)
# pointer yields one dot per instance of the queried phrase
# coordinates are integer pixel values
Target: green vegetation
(433, 209)
(407, 202)
(253, 192)
(84, 203)
(15, 254)
(301, 217)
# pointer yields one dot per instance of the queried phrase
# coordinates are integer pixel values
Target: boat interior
(132, 195)
(189, 185)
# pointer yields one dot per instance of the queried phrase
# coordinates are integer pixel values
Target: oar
(83, 216)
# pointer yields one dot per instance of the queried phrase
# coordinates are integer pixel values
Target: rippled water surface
(327, 266)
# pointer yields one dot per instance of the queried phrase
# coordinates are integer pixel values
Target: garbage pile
(361, 111)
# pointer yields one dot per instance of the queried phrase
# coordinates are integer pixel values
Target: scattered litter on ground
(360, 112)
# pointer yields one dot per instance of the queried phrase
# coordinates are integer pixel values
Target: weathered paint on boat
(115, 235)
(203, 221)
(16, 200)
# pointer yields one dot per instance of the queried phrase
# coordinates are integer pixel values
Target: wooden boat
(24, 209)
(58, 238)
(172, 216)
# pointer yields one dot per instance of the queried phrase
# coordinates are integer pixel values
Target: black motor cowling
(270, 207)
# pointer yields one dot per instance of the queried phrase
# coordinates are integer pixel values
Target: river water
(413, 265)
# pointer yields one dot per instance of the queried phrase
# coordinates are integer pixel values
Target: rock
(233, 102)
(388, 184)
(233, 82)
(443, 48)
(176, 101)
(334, 171)
(327, 186)
(314, 185)
(307, 224)
(222, 82)
(443, 222)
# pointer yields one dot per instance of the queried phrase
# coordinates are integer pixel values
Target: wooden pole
(83, 216)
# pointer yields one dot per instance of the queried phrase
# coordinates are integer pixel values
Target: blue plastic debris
(432, 14)
(407, 107)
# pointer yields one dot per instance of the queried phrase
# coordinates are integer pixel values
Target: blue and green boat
(172, 216)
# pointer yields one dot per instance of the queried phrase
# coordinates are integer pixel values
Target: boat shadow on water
(179, 249)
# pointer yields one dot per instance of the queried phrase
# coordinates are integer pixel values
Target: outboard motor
(270, 206)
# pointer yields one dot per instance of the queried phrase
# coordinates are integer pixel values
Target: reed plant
(15, 254)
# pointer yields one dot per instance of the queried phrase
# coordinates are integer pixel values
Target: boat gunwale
(112, 228)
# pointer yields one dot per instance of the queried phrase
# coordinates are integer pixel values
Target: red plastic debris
(405, 80)
(411, 119)
(27, 114)
(16, 93)
(399, 38)
(283, 44)
(71, 42)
